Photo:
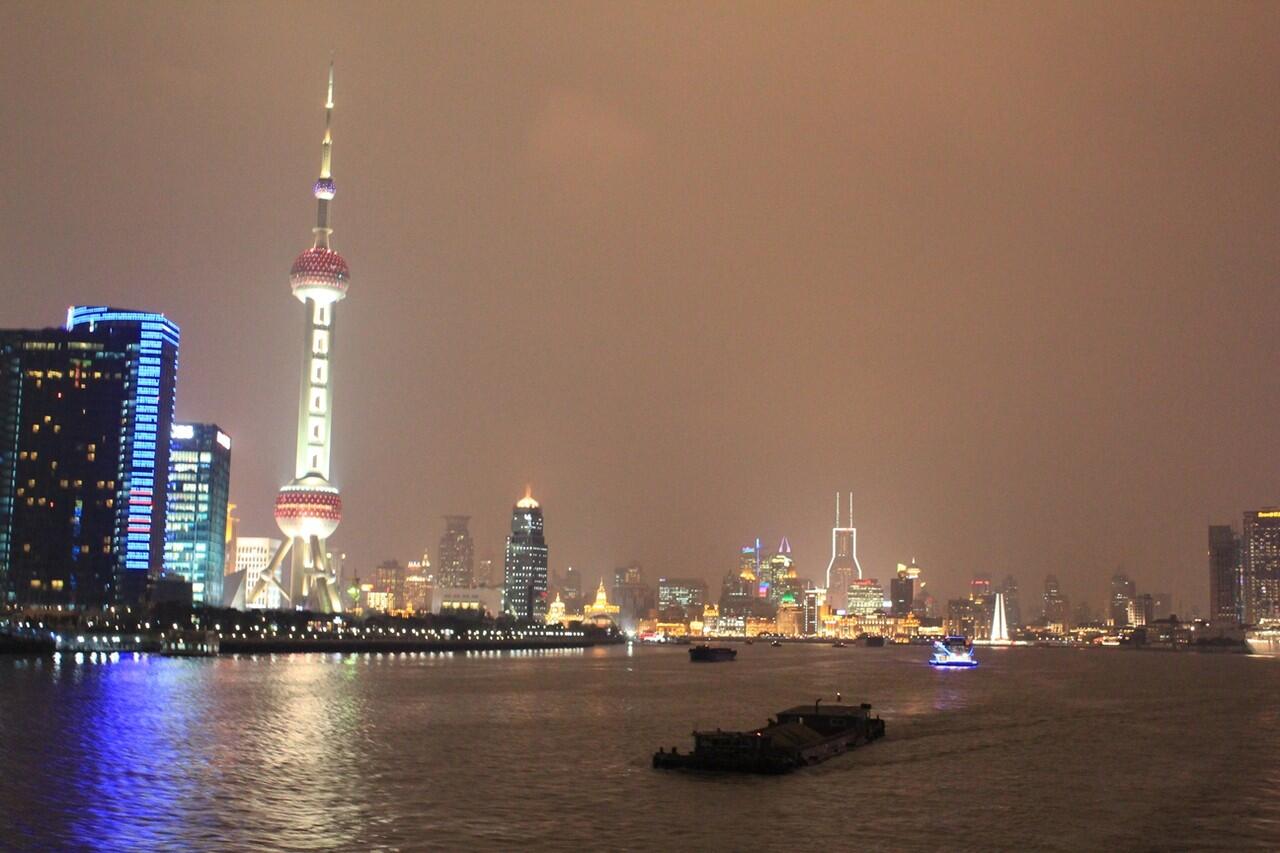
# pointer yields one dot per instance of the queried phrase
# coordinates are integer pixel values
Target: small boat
(798, 737)
(777, 644)
(873, 641)
(706, 653)
(839, 644)
(750, 641)
(956, 652)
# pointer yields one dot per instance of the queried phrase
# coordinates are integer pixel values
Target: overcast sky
(1007, 271)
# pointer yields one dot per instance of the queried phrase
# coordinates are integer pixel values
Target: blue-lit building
(525, 586)
(81, 411)
(196, 508)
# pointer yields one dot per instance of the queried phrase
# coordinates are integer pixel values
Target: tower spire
(325, 188)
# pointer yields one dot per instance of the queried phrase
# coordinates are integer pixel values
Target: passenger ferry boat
(953, 652)
(1264, 640)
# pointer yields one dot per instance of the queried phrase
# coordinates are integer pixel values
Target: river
(1036, 749)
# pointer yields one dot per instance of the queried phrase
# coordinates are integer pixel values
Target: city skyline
(969, 428)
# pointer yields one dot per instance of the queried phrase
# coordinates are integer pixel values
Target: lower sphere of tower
(306, 510)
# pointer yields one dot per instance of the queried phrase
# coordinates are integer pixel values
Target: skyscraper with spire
(309, 507)
(525, 584)
(843, 569)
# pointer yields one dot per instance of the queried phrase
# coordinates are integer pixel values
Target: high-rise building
(902, 588)
(196, 508)
(1012, 607)
(813, 602)
(457, 553)
(843, 569)
(681, 592)
(82, 412)
(525, 585)
(308, 508)
(865, 596)
(388, 583)
(1123, 592)
(572, 587)
(1260, 564)
(1057, 609)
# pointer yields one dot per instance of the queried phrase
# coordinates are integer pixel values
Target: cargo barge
(711, 654)
(799, 737)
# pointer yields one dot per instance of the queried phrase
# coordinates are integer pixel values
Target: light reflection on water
(1037, 748)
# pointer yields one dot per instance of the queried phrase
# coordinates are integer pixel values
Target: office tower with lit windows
(1224, 575)
(1057, 608)
(309, 508)
(196, 508)
(524, 588)
(864, 597)
(843, 569)
(902, 589)
(82, 409)
(1260, 564)
(681, 593)
(457, 553)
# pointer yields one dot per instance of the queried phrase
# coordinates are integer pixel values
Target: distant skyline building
(83, 410)
(198, 491)
(525, 584)
(1123, 592)
(309, 508)
(1057, 608)
(456, 557)
(864, 597)
(1260, 559)
(1012, 606)
(843, 569)
(681, 592)
(902, 588)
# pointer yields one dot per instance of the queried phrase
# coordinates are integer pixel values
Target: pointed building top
(527, 502)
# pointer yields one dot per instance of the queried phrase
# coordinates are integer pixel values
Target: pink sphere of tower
(319, 273)
(308, 508)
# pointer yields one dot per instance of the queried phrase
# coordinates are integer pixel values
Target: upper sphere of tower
(319, 273)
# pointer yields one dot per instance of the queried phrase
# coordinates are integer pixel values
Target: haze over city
(1009, 275)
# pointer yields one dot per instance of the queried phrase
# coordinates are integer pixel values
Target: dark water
(1036, 749)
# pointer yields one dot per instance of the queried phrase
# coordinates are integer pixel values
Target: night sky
(1007, 271)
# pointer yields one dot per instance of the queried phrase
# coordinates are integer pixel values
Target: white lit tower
(843, 569)
(309, 508)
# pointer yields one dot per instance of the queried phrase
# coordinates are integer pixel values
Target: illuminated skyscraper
(902, 588)
(457, 553)
(525, 586)
(1260, 564)
(1123, 592)
(196, 514)
(82, 412)
(843, 569)
(309, 508)
(1057, 608)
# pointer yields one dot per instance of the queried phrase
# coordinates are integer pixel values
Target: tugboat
(953, 652)
(839, 644)
(706, 653)
(777, 644)
(800, 736)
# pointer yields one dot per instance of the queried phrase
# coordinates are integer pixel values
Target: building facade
(525, 576)
(196, 508)
(82, 410)
(1260, 558)
(456, 556)
(252, 555)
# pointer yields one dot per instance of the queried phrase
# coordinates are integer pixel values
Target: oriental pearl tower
(309, 508)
